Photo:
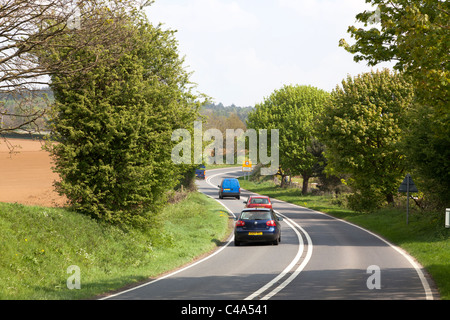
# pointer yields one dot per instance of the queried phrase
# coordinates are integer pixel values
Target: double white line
(297, 229)
(288, 269)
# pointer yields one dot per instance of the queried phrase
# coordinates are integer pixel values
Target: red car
(258, 202)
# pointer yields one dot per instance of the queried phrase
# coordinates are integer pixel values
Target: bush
(363, 202)
(114, 129)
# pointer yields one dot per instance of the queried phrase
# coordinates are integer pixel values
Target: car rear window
(259, 201)
(253, 215)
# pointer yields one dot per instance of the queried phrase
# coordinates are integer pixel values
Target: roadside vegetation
(425, 237)
(39, 244)
(120, 91)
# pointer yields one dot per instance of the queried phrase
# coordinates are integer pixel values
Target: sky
(240, 51)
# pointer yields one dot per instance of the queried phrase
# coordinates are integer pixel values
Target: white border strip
(180, 270)
(407, 256)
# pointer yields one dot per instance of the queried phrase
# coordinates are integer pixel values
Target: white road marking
(180, 270)
(300, 267)
(171, 274)
(416, 266)
(294, 226)
(285, 271)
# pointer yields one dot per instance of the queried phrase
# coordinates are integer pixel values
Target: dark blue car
(200, 172)
(229, 187)
(257, 225)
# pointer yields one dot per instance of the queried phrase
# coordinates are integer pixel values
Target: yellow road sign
(247, 164)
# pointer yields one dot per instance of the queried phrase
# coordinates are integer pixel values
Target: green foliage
(114, 127)
(362, 130)
(292, 110)
(39, 244)
(414, 33)
(428, 155)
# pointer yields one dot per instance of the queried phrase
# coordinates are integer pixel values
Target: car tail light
(271, 223)
(240, 223)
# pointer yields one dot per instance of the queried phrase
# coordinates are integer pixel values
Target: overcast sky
(240, 51)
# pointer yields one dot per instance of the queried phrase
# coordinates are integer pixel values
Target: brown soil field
(26, 176)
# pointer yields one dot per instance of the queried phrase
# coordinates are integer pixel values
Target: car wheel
(276, 241)
(238, 197)
(236, 243)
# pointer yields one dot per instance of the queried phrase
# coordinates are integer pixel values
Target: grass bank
(39, 244)
(425, 237)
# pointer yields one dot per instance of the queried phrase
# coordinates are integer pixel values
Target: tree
(428, 156)
(114, 126)
(292, 110)
(28, 28)
(362, 129)
(415, 34)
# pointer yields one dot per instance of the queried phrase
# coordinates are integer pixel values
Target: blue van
(229, 187)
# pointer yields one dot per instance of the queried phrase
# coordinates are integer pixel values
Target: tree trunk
(305, 185)
(283, 181)
(390, 198)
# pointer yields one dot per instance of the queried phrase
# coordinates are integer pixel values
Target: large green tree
(415, 34)
(362, 128)
(114, 125)
(292, 110)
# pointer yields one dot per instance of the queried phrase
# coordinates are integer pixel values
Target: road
(319, 258)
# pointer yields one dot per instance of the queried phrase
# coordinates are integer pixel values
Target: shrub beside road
(40, 243)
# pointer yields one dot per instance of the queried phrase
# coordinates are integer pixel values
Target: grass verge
(425, 237)
(39, 244)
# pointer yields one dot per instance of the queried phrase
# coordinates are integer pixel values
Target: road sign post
(407, 186)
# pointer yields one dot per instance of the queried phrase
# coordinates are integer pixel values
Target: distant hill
(221, 110)
(5, 96)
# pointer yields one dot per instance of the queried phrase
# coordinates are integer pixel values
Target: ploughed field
(26, 176)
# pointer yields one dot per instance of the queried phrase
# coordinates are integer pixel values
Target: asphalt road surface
(319, 258)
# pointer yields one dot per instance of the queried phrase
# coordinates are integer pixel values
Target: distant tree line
(25, 111)
(221, 110)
